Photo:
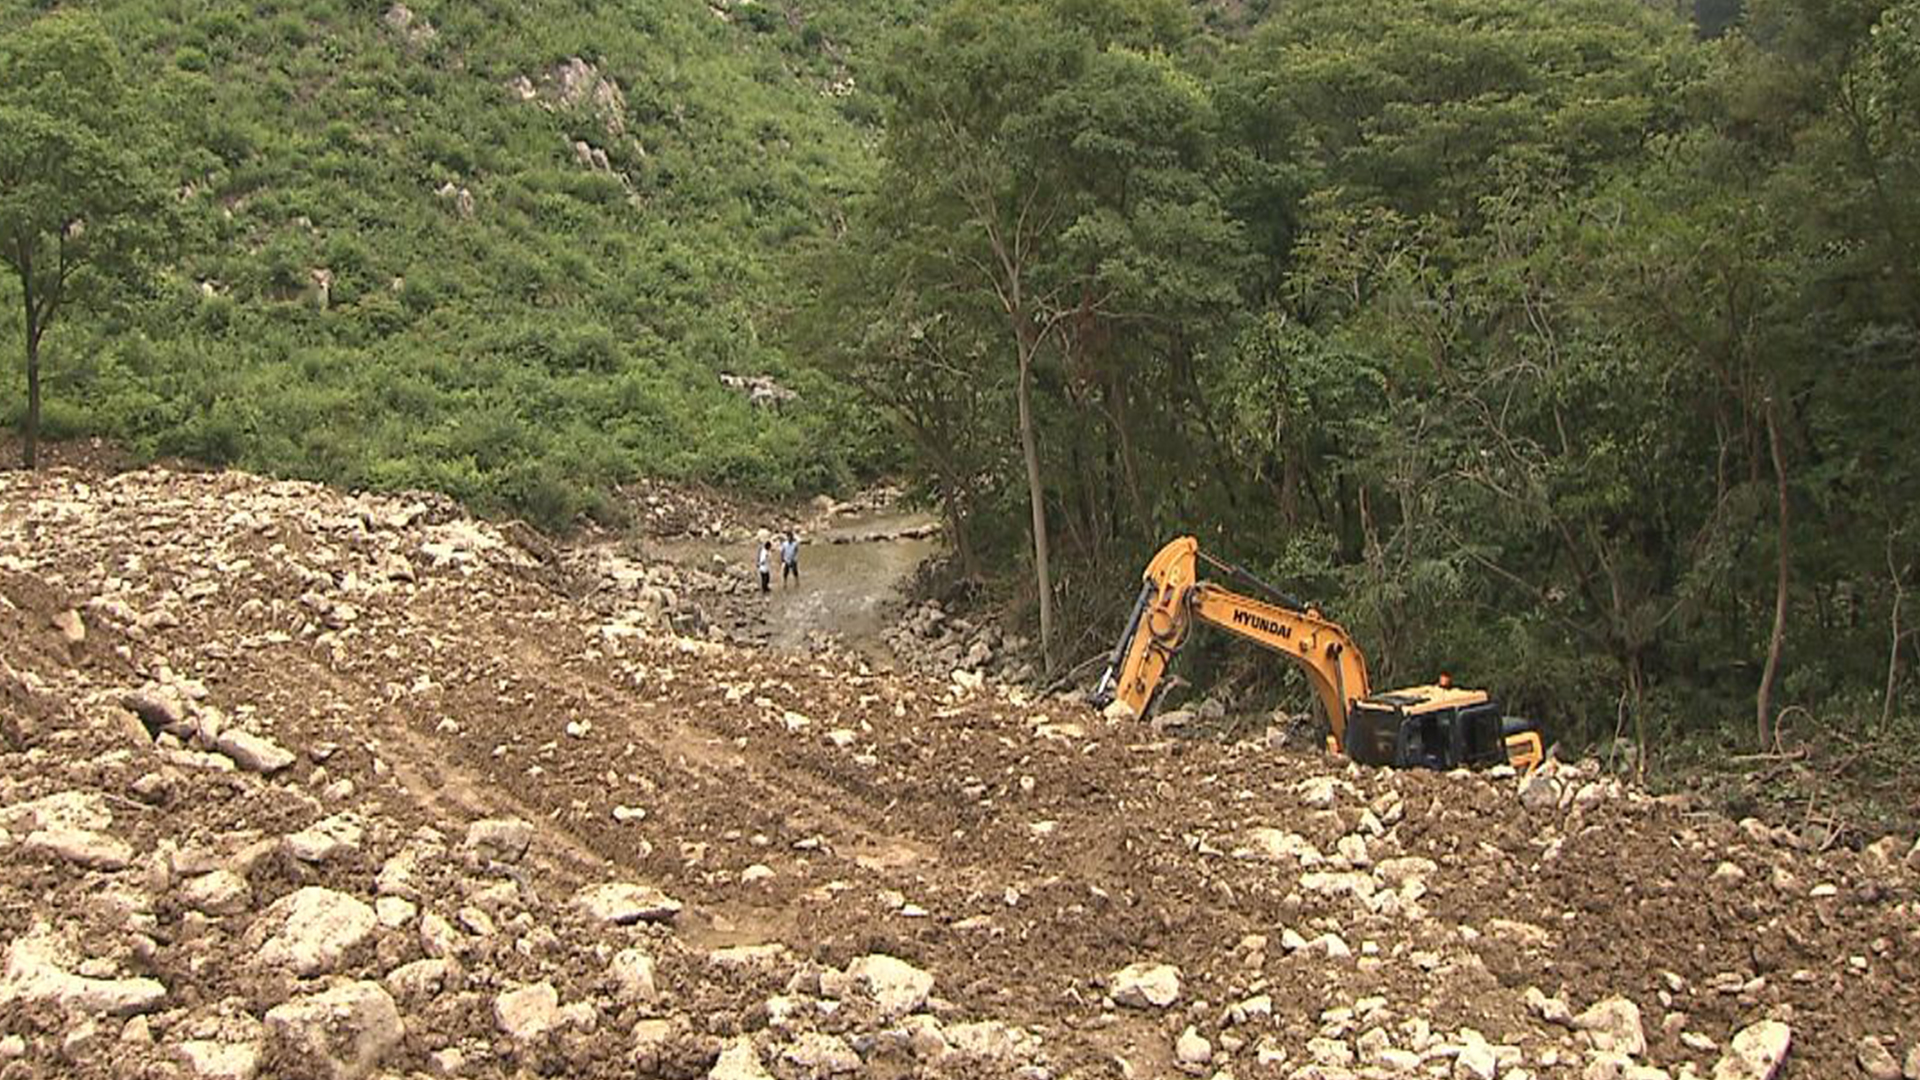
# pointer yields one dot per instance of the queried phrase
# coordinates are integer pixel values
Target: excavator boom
(1173, 598)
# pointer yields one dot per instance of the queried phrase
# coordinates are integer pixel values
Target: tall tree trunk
(951, 502)
(1030, 451)
(30, 444)
(1763, 701)
(1897, 576)
(1637, 687)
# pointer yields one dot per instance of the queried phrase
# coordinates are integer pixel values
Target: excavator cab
(1438, 727)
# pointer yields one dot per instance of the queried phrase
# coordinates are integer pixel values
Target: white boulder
(1145, 985)
(314, 928)
(343, 1032)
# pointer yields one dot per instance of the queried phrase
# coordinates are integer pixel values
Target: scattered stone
(624, 903)
(328, 838)
(528, 1013)
(421, 980)
(1476, 1061)
(985, 1040)
(1145, 985)
(1756, 1052)
(746, 957)
(254, 753)
(160, 710)
(36, 974)
(1614, 1024)
(449, 1062)
(1539, 793)
(394, 912)
(1876, 1060)
(1332, 1053)
(81, 1040)
(1320, 792)
(72, 629)
(1277, 845)
(317, 928)
(897, 986)
(739, 1061)
(155, 788)
(210, 1059)
(633, 976)
(1257, 1007)
(73, 810)
(221, 892)
(818, 1055)
(1523, 934)
(95, 851)
(399, 875)
(347, 1029)
(1551, 1009)
(1192, 1051)
(1405, 871)
(438, 938)
(499, 839)
(1332, 946)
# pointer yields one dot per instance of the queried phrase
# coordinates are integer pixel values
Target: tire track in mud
(699, 782)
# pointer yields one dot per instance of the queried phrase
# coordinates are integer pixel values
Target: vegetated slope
(273, 860)
(498, 249)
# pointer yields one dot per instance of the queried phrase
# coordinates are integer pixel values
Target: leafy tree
(82, 207)
(1045, 171)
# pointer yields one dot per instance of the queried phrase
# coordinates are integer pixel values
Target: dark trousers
(789, 570)
(766, 580)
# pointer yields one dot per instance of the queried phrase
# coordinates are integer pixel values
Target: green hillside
(498, 249)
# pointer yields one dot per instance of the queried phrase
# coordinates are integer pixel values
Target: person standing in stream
(789, 560)
(766, 566)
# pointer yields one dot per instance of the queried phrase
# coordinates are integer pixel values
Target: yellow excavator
(1438, 726)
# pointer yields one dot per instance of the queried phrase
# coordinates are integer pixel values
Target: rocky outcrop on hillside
(576, 83)
(302, 784)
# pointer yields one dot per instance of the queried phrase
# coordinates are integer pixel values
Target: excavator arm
(1172, 598)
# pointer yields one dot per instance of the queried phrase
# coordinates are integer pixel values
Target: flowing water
(853, 573)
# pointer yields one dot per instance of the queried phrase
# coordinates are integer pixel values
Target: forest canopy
(1565, 347)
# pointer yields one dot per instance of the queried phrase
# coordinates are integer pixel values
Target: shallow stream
(853, 572)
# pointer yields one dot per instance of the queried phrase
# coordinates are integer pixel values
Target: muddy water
(853, 573)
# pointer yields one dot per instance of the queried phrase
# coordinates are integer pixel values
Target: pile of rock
(1557, 788)
(929, 640)
(642, 598)
(192, 733)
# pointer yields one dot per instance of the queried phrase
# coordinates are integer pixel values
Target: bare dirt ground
(295, 783)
